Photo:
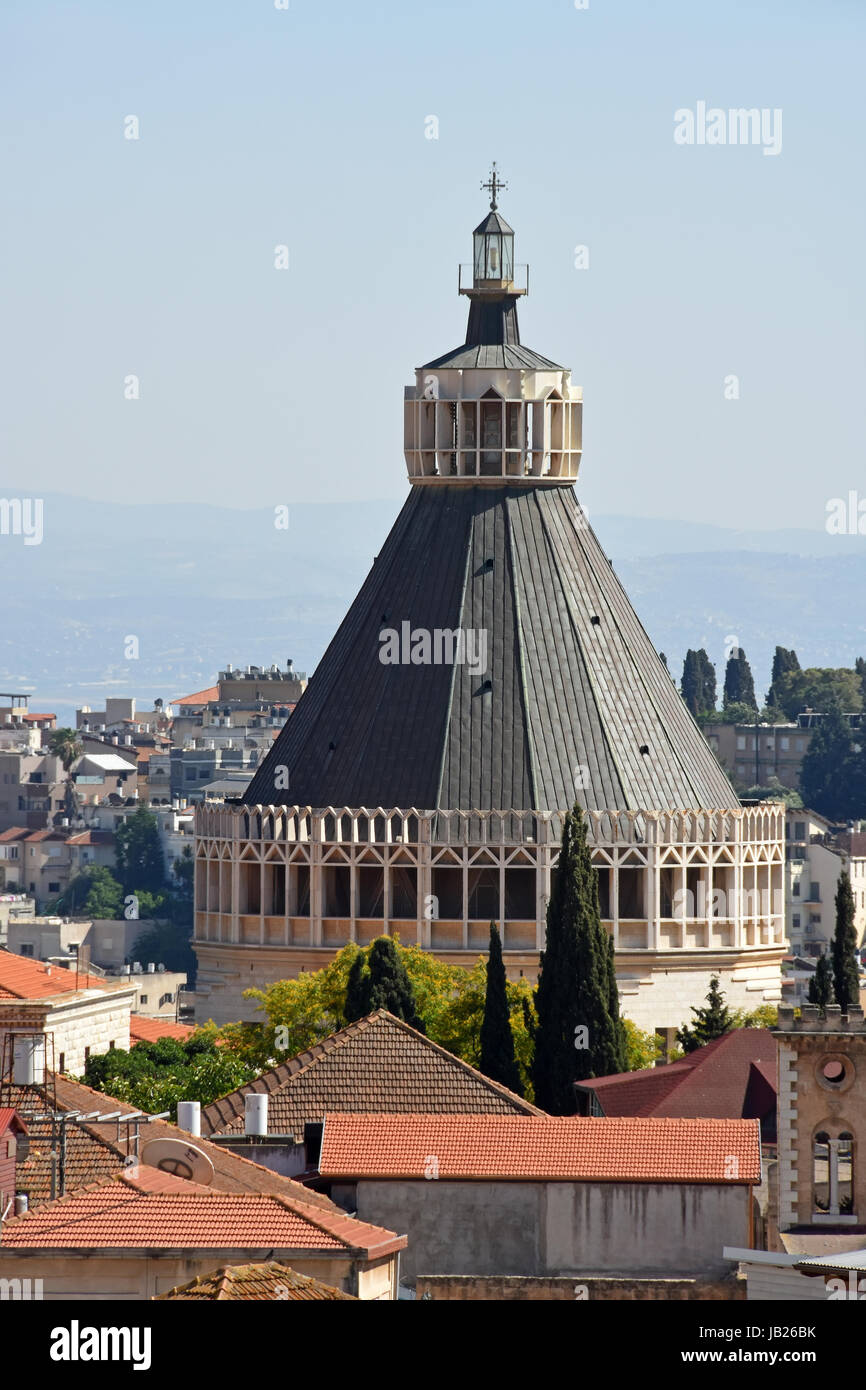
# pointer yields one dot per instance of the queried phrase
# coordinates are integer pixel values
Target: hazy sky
(261, 126)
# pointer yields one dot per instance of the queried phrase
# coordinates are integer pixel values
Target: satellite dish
(180, 1158)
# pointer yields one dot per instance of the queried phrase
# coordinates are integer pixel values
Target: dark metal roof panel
(564, 692)
(494, 355)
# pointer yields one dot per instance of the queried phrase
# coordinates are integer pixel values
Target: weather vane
(494, 185)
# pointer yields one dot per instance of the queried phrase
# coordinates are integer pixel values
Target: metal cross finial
(494, 185)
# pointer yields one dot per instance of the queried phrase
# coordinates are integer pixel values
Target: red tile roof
(257, 1283)
(91, 837)
(30, 717)
(709, 1083)
(521, 1148)
(151, 1029)
(96, 1150)
(201, 697)
(376, 1064)
(8, 1117)
(24, 978)
(141, 1208)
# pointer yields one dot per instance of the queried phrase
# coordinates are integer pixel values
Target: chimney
(189, 1117)
(22, 1203)
(256, 1113)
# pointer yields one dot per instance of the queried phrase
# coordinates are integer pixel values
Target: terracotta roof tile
(377, 1064)
(142, 1207)
(24, 978)
(151, 1029)
(257, 1282)
(95, 1150)
(517, 1147)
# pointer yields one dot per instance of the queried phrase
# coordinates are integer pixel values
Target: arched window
(821, 1172)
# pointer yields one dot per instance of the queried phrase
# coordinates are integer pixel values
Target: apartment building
(763, 755)
(816, 853)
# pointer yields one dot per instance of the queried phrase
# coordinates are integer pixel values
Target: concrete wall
(126, 1277)
(537, 1228)
(479, 1288)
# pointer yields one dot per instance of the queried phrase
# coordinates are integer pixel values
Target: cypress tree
(711, 1021)
(388, 986)
(846, 973)
(691, 683)
(821, 985)
(784, 662)
(739, 684)
(575, 995)
(357, 1003)
(708, 682)
(663, 659)
(497, 1042)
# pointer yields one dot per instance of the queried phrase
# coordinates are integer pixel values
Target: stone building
(490, 673)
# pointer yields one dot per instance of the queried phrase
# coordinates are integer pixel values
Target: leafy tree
(711, 1021)
(846, 970)
(641, 1049)
(94, 892)
(764, 1016)
(449, 1000)
(138, 853)
(817, 688)
(497, 1044)
(830, 777)
(820, 990)
(576, 997)
(734, 713)
(739, 684)
(155, 1076)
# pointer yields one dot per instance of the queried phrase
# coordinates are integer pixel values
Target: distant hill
(200, 586)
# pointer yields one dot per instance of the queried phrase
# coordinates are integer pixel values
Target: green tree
(820, 990)
(642, 1049)
(385, 984)
(138, 853)
(846, 968)
(829, 775)
(698, 685)
(65, 745)
(817, 688)
(691, 685)
(708, 683)
(356, 992)
(711, 1021)
(155, 1076)
(739, 684)
(497, 1044)
(170, 944)
(94, 892)
(579, 1032)
(785, 663)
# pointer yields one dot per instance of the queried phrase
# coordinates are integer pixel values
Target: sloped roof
(562, 691)
(257, 1283)
(96, 1150)
(200, 697)
(152, 1029)
(9, 1118)
(377, 1064)
(142, 1207)
(494, 355)
(541, 1148)
(712, 1082)
(21, 977)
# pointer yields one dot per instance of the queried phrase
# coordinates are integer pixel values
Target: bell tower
(822, 1118)
(492, 410)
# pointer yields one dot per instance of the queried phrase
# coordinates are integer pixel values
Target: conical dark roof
(572, 678)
